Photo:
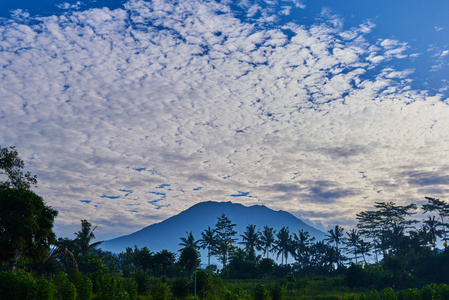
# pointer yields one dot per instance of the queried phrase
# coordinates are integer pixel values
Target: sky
(130, 112)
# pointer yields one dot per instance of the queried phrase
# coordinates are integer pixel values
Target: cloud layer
(129, 116)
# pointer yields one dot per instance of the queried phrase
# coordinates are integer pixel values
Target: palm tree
(352, 240)
(301, 244)
(283, 244)
(251, 240)
(84, 236)
(431, 224)
(335, 236)
(267, 239)
(189, 241)
(209, 240)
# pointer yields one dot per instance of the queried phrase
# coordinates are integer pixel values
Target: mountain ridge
(167, 234)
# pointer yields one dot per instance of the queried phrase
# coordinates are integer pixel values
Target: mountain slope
(166, 234)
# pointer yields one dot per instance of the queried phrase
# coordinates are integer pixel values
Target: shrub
(65, 290)
(17, 285)
(44, 290)
(143, 280)
(409, 294)
(356, 276)
(130, 286)
(373, 295)
(388, 294)
(110, 287)
(180, 288)
(203, 283)
(259, 292)
(277, 292)
(442, 292)
(83, 285)
(159, 291)
(328, 297)
(428, 292)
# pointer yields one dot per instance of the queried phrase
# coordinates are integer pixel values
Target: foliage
(225, 240)
(203, 283)
(180, 288)
(189, 259)
(21, 285)
(83, 285)
(259, 292)
(26, 223)
(84, 236)
(159, 291)
(65, 290)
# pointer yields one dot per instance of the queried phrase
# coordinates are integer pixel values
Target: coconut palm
(189, 241)
(267, 239)
(283, 244)
(431, 225)
(335, 236)
(352, 240)
(301, 244)
(208, 240)
(251, 240)
(84, 236)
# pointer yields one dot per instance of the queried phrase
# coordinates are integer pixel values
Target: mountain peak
(166, 234)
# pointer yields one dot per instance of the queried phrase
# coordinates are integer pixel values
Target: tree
(441, 208)
(208, 241)
(26, 223)
(267, 238)
(84, 236)
(225, 233)
(283, 244)
(431, 226)
(250, 238)
(11, 165)
(352, 240)
(386, 226)
(189, 241)
(164, 259)
(301, 244)
(335, 236)
(189, 259)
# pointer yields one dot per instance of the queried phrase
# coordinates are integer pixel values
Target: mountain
(167, 234)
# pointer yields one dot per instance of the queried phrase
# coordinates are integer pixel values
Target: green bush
(327, 297)
(17, 285)
(388, 294)
(110, 287)
(356, 276)
(159, 291)
(442, 292)
(203, 283)
(83, 285)
(259, 292)
(143, 280)
(373, 295)
(65, 290)
(130, 286)
(180, 288)
(428, 292)
(45, 290)
(409, 294)
(277, 292)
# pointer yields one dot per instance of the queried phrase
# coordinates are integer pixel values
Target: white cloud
(158, 93)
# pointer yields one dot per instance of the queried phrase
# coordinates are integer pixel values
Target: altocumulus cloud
(131, 115)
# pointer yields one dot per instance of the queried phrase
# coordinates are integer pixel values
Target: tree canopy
(26, 223)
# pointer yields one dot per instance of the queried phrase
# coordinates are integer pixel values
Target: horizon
(130, 112)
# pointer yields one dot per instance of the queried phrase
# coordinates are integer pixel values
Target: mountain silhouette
(167, 234)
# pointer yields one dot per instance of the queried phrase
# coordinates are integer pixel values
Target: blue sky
(132, 112)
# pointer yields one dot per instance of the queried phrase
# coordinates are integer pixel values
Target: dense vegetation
(388, 255)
